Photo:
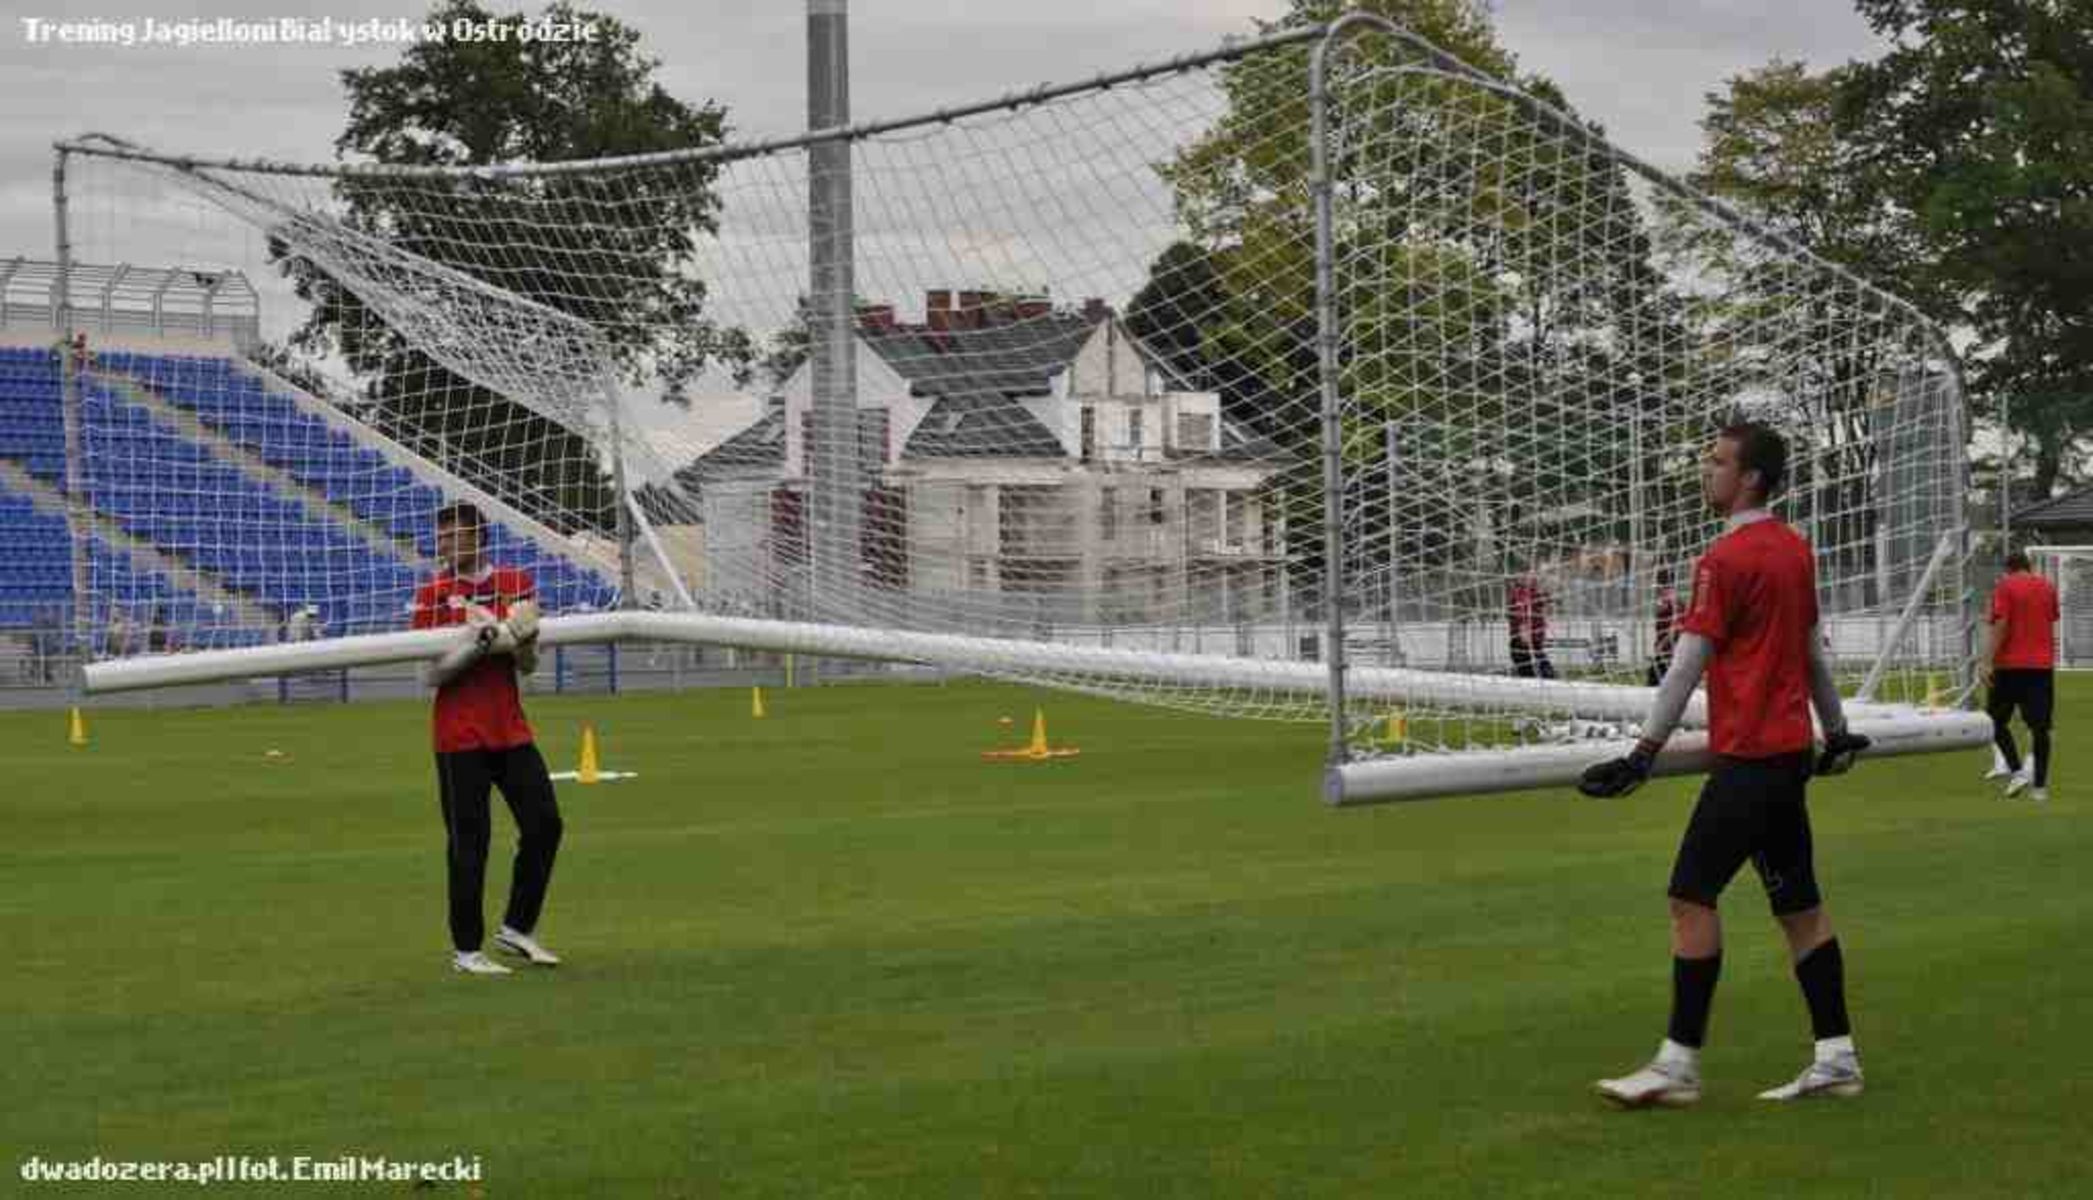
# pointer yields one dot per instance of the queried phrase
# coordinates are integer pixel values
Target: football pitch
(834, 953)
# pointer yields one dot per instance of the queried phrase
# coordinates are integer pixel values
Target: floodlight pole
(831, 441)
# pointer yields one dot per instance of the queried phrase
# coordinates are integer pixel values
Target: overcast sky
(1639, 66)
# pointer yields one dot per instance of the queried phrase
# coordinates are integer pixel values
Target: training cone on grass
(756, 703)
(1035, 751)
(591, 768)
(76, 732)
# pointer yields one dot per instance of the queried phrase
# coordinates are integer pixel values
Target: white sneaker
(1998, 770)
(476, 962)
(2018, 784)
(1837, 1076)
(522, 943)
(1661, 1084)
(2040, 795)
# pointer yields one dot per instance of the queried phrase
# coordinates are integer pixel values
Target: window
(1108, 513)
(1133, 428)
(1155, 506)
(1195, 431)
(1089, 432)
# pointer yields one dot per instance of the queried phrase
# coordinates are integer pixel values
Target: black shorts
(1751, 809)
(2033, 692)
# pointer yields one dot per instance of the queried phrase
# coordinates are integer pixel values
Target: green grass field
(832, 953)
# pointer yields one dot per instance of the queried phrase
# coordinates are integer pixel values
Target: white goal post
(1381, 400)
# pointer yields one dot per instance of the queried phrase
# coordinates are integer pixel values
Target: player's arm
(1841, 745)
(1618, 777)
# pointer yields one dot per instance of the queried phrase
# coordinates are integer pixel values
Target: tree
(1467, 281)
(1780, 147)
(1980, 121)
(613, 251)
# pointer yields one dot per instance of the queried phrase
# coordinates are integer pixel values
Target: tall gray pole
(78, 527)
(1326, 371)
(832, 453)
(1390, 445)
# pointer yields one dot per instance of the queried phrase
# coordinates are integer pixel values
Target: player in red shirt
(2021, 670)
(1526, 611)
(483, 740)
(1752, 627)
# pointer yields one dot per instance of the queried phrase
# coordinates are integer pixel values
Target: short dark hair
(2019, 561)
(1760, 449)
(461, 513)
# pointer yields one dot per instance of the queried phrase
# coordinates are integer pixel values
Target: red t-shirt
(1755, 598)
(1528, 606)
(481, 708)
(2028, 604)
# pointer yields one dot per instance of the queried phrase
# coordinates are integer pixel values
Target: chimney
(876, 318)
(973, 309)
(1095, 310)
(1031, 308)
(937, 311)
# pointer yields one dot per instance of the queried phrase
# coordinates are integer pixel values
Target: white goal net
(1065, 407)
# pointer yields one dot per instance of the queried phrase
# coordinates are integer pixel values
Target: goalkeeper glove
(523, 621)
(1618, 777)
(1840, 749)
(492, 636)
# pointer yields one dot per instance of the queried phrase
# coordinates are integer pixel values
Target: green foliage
(1979, 121)
(614, 251)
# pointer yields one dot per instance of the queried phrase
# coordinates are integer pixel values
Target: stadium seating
(170, 491)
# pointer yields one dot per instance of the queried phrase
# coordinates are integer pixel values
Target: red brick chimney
(937, 310)
(876, 318)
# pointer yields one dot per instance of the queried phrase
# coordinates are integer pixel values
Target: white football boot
(523, 944)
(476, 962)
(1834, 1073)
(1672, 1080)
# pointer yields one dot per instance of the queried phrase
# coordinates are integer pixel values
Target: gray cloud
(1639, 67)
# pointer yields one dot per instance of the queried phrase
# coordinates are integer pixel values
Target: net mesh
(1078, 403)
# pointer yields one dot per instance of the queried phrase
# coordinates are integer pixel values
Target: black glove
(1618, 777)
(1840, 749)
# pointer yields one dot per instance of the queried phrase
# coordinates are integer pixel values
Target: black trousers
(464, 780)
(2034, 693)
(1531, 662)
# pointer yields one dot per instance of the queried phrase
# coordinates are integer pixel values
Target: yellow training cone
(77, 734)
(589, 772)
(1038, 750)
(591, 769)
(756, 703)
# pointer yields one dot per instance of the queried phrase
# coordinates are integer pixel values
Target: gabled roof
(2070, 509)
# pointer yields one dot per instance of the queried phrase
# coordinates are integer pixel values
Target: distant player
(1753, 628)
(1667, 627)
(2021, 670)
(1526, 612)
(484, 742)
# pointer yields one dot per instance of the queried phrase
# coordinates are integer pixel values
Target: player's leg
(1718, 839)
(2037, 709)
(1786, 862)
(463, 781)
(1522, 660)
(1999, 706)
(1542, 665)
(527, 787)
